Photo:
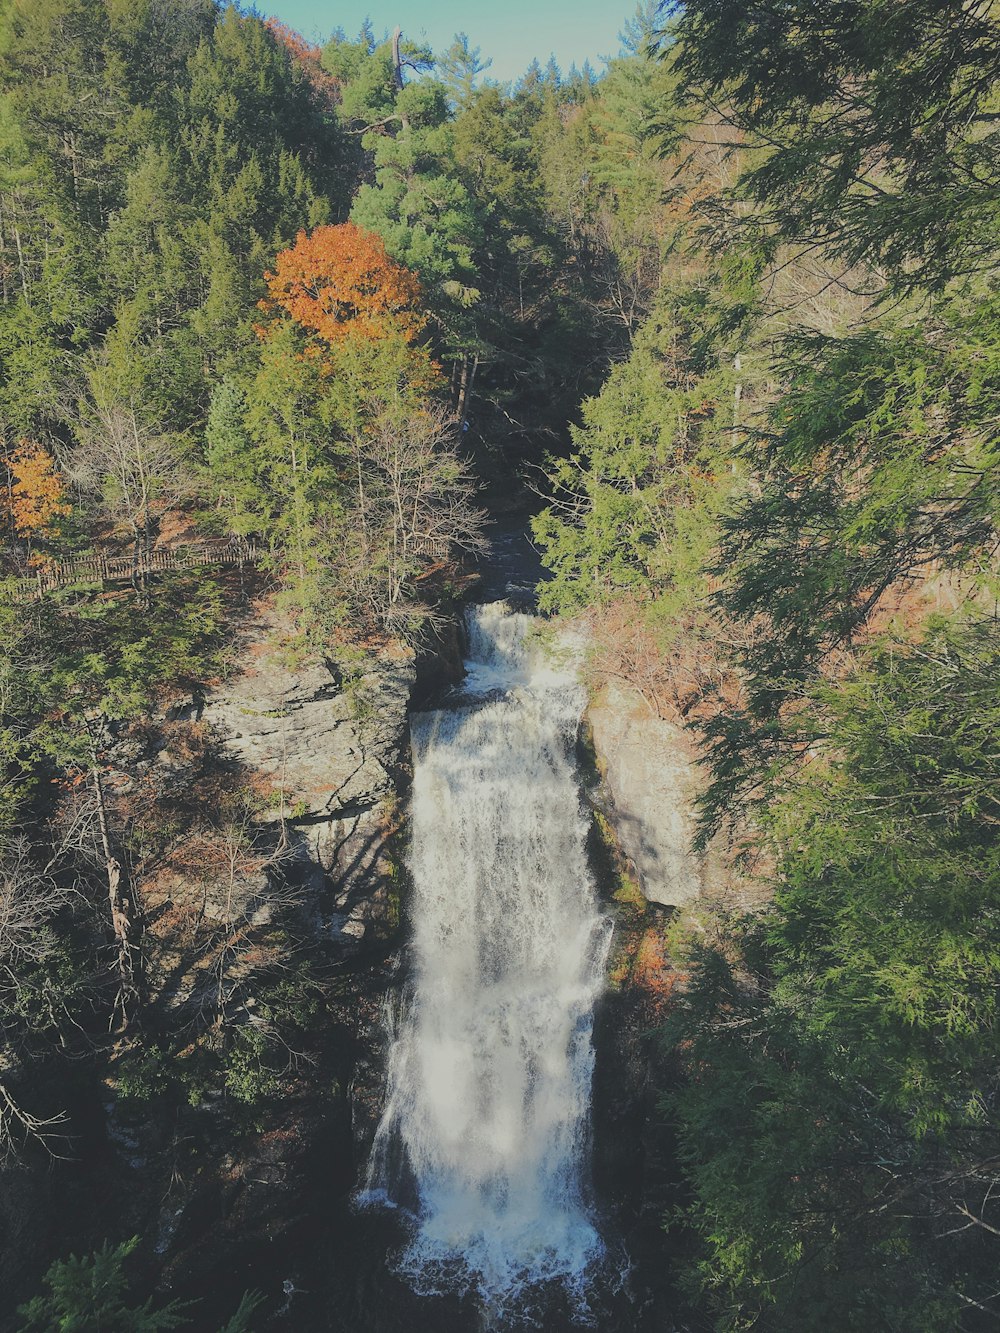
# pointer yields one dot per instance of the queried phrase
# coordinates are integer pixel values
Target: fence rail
(436, 549)
(105, 569)
(123, 568)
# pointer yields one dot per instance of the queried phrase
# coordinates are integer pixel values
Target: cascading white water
(485, 1130)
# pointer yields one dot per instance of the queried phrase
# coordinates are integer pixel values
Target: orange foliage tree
(37, 493)
(339, 283)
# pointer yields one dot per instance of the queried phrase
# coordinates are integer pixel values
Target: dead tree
(134, 471)
(126, 913)
(415, 494)
(29, 900)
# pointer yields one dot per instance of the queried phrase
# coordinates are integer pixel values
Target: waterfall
(485, 1133)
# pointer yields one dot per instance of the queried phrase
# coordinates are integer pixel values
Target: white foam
(487, 1114)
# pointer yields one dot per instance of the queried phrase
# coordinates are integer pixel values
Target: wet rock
(440, 664)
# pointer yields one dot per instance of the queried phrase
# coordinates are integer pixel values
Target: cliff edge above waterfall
(649, 788)
(331, 748)
(647, 793)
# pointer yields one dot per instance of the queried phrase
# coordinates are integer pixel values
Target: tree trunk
(737, 396)
(126, 919)
(136, 556)
(397, 73)
(20, 262)
(147, 551)
(397, 63)
(465, 389)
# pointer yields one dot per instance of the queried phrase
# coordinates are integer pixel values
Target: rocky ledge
(330, 753)
(650, 783)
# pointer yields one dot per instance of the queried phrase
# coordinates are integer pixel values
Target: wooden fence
(435, 549)
(105, 569)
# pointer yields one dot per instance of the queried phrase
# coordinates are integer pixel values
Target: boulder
(329, 748)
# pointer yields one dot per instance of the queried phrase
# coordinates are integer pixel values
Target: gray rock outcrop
(326, 748)
(332, 753)
(648, 791)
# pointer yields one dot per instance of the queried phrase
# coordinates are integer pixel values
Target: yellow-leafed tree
(36, 496)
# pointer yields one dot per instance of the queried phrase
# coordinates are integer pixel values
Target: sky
(512, 32)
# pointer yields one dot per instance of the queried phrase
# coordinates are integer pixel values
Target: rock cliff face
(333, 753)
(650, 783)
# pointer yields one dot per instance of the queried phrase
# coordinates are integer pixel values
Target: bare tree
(123, 903)
(18, 1127)
(239, 864)
(29, 900)
(133, 470)
(414, 505)
(244, 886)
(87, 831)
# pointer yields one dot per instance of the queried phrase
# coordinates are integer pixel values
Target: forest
(294, 324)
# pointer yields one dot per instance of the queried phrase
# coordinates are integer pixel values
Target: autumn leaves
(36, 495)
(338, 282)
(348, 437)
(341, 451)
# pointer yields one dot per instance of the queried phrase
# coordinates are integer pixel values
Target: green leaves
(857, 1030)
(91, 1295)
(636, 507)
(88, 1295)
(801, 452)
(878, 465)
(155, 156)
(111, 658)
(875, 121)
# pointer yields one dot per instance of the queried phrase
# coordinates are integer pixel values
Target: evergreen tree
(877, 126)
(91, 1295)
(459, 69)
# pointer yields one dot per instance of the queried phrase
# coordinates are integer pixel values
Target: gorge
(374, 957)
